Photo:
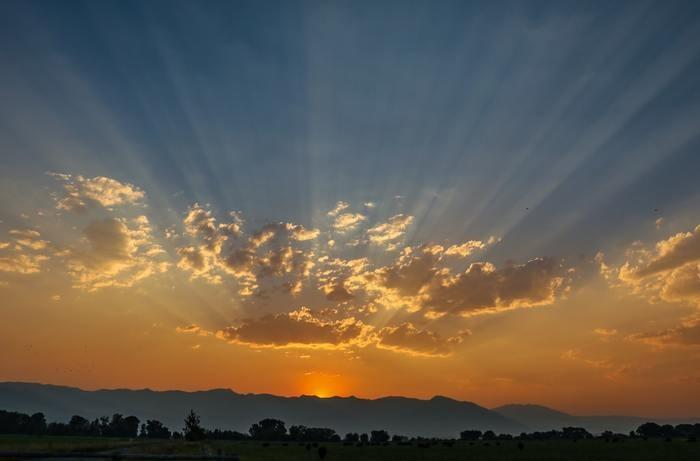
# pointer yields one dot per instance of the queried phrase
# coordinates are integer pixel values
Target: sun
(321, 385)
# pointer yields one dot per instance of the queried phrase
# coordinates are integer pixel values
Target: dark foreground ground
(589, 450)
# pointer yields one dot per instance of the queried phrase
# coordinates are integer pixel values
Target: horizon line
(436, 396)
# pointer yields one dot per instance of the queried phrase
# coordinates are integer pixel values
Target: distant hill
(225, 409)
(539, 418)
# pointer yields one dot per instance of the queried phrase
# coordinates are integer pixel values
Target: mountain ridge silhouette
(438, 416)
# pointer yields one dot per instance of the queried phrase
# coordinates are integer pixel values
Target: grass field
(588, 450)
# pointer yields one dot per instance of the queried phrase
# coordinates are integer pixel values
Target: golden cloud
(420, 280)
(79, 192)
(670, 271)
(307, 329)
(120, 253)
(266, 253)
(298, 329)
(685, 334)
(408, 339)
(23, 255)
(483, 289)
(387, 232)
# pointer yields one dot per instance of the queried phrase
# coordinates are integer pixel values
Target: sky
(492, 201)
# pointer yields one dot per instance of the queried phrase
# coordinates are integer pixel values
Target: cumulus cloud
(24, 253)
(300, 233)
(421, 280)
(193, 329)
(80, 192)
(685, 334)
(300, 329)
(337, 292)
(345, 220)
(483, 288)
(414, 341)
(669, 254)
(465, 249)
(668, 271)
(22, 263)
(339, 207)
(308, 329)
(222, 249)
(605, 332)
(119, 253)
(29, 238)
(390, 231)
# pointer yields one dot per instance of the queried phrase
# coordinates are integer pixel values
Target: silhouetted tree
(12, 422)
(378, 437)
(364, 438)
(193, 431)
(218, 434)
(352, 437)
(37, 424)
(154, 429)
(488, 435)
(312, 434)
(649, 430)
(575, 433)
(268, 429)
(470, 435)
(79, 425)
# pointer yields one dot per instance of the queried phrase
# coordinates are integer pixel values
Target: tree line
(271, 430)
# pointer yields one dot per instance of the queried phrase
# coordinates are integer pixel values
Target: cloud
(669, 254)
(344, 221)
(465, 249)
(686, 334)
(669, 271)
(482, 288)
(298, 329)
(387, 232)
(193, 329)
(337, 292)
(202, 257)
(201, 224)
(268, 253)
(339, 207)
(22, 263)
(120, 253)
(347, 221)
(298, 232)
(411, 340)
(422, 280)
(605, 332)
(25, 253)
(307, 329)
(29, 238)
(80, 192)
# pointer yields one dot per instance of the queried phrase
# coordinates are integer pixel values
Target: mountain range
(225, 409)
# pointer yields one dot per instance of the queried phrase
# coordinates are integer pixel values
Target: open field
(598, 450)
(61, 444)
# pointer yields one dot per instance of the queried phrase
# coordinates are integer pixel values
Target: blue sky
(472, 111)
